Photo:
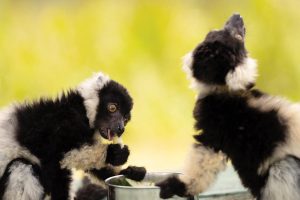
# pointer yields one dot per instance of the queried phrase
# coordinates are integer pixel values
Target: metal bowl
(120, 192)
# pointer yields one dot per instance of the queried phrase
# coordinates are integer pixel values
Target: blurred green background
(48, 46)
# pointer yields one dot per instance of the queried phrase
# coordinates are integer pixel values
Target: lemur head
(108, 105)
(221, 59)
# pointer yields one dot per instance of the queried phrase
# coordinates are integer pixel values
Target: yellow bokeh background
(50, 46)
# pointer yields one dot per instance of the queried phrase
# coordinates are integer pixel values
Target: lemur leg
(60, 190)
(57, 181)
(283, 180)
(200, 171)
(93, 187)
(91, 191)
(21, 181)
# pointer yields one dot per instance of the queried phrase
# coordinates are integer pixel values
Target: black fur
(220, 52)
(103, 173)
(246, 135)
(256, 93)
(49, 128)
(114, 92)
(172, 186)
(90, 192)
(3, 180)
(113, 121)
(213, 59)
(116, 155)
(134, 173)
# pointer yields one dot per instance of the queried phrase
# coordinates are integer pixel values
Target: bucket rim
(107, 181)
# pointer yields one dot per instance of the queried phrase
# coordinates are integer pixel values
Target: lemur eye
(112, 107)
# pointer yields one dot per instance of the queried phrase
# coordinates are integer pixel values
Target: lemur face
(221, 59)
(113, 111)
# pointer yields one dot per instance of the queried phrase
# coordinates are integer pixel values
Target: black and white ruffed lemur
(40, 142)
(258, 132)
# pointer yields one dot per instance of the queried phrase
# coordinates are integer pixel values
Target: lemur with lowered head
(258, 132)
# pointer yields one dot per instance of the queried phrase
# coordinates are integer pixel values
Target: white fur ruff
(89, 89)
(187, 68)
(242, 75)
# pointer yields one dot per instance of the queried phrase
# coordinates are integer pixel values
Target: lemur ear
(101, 78)
(235, 26)
(88, 87)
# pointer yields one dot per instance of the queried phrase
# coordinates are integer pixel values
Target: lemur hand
(116, 155)
(170, 187)
(134, 173)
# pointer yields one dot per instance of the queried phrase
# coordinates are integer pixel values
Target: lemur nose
(120, 129)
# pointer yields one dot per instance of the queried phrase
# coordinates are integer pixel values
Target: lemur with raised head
(41, 141)
(258, 132)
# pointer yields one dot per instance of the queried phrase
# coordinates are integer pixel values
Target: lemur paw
(134, 173)
(116, 155)
(103, 173)
(170, 187)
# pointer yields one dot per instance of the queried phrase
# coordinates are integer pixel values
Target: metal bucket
(119, 192)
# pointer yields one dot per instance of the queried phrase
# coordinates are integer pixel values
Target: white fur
(187, 68)
(289, 114)
(10, 148)
(242, 75)
(47, 197)
(75, 184)
(22, 184)
(201, 169)
(87, 156)
(283, 181)
(89, 89)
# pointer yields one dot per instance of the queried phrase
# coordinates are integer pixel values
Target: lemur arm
(101, 161)
(95, 156)
(200, 171)
(131, 172)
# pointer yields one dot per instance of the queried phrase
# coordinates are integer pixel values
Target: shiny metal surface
(118, 192)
